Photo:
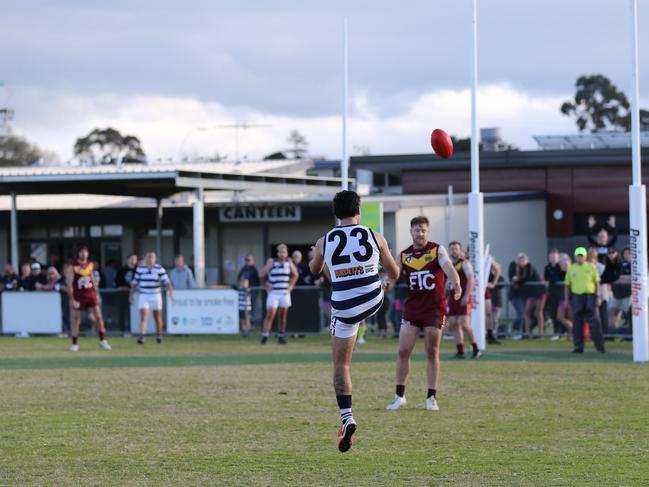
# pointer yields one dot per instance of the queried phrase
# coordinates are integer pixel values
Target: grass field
(225, 411)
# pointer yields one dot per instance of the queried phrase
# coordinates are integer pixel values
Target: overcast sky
(159, 70)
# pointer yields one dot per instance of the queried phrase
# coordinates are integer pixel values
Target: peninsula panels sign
(281, 213)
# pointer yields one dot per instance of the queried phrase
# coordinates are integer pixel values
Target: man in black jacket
(603, 236)
(555, 277)
(521, 274)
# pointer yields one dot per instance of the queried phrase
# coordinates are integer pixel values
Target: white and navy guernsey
(150, 280)
(279, 276)
(352, 255)
(245, 300)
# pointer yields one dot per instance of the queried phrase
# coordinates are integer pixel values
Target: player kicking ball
(352, 254)
(459, 311)
(83, 293)
(426, 266)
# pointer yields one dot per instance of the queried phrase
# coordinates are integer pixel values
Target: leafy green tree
(108, 146)
(598, 105)
(17, 151)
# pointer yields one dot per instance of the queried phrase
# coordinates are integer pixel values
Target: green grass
(224, 411)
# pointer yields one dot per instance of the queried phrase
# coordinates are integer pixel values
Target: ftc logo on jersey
(422, 280)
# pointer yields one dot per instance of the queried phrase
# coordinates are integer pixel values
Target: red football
(442, 143)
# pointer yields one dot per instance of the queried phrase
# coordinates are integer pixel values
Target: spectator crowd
(33, 278)
(538, 301)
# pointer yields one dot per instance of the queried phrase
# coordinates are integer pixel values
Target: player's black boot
(345, 435)
(264, 339)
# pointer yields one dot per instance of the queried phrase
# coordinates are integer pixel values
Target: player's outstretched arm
(316, 263)
(449, 270)
(69, 279)
(387, 261)
(263, 272)
(134, 285)
(294, 277)
(95, 286)
(170, 288)
(470, 280)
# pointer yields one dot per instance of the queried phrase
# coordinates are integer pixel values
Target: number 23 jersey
(426, 281)
(352, 255)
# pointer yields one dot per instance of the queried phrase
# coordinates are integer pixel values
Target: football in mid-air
(442, 143)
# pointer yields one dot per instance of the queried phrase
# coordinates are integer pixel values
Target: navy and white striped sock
(345, 406)
(346, 415)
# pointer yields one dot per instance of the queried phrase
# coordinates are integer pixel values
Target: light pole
(237, 126)
(184, 141)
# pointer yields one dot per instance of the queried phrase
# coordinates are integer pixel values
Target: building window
(113, 230)
(394, 180)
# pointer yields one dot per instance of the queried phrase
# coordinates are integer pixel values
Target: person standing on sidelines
(83, 294)
(582, 284)
(495, 272)
(148, 281)
(426, 266)
(280, 275)
(245, 306)
(459, 310)
(181, 276)
(351, 253)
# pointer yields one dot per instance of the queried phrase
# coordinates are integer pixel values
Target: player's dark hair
(83, 247)
(347, 204)
(554, 250)
(455, 242)
(419, 220)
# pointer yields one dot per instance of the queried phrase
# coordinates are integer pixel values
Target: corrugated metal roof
(252, 167)
(164, 180)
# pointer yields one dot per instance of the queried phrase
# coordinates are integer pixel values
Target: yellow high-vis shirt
(582, 279)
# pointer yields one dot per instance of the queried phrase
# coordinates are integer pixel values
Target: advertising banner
(203, 311)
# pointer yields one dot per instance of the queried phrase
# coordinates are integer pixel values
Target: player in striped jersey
(245, 306)
(280, 275)
(148, 280)
(350, 253)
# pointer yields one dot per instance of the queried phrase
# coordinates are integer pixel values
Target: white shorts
(339, 329)
(278, 300)
(150, 301)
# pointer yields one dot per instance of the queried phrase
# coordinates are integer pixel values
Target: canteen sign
(282, 213)
(203, 311)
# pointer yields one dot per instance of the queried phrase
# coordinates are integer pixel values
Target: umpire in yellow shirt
(582, 282)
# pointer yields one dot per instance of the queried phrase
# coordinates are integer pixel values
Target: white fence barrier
(31, 312)
(203, 311)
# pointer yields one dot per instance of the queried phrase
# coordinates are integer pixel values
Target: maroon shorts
(487, 294)
(436, 319)
(455, 308)
(86, 301)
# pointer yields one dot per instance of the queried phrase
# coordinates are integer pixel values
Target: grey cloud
(284, 57)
